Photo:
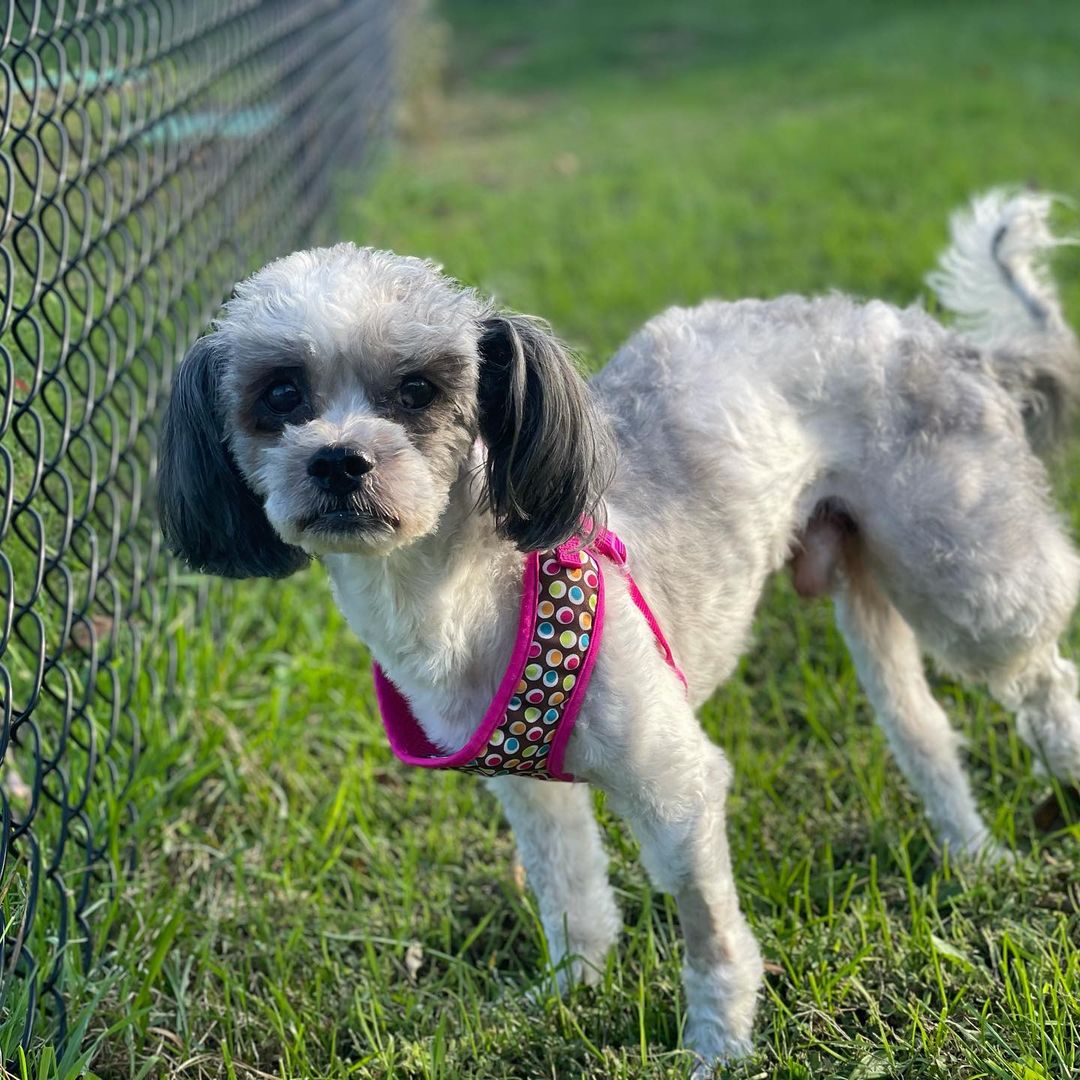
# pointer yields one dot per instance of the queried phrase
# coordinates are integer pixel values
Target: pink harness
(528, 723)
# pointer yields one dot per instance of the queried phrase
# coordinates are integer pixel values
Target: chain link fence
(151, 153)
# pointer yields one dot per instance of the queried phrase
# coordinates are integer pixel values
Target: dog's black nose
(337, 469)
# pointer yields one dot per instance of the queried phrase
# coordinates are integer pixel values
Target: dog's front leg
(676, 810)
(565, 865)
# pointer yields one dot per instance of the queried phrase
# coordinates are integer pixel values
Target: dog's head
(334, 408)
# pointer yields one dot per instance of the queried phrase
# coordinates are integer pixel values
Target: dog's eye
(416, 392)
(283, 397)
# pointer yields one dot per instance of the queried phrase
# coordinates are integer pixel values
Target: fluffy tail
(994, 277)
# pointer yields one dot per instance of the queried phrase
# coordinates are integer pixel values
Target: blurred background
(211, 866)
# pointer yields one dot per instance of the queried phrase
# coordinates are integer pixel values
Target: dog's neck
(438, 615)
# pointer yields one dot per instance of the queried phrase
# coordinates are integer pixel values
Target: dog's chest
(444, 640)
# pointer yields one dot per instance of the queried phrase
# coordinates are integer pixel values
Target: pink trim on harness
(607, 543)
(529, 721)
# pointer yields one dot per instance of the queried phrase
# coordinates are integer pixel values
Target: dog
(362, 408)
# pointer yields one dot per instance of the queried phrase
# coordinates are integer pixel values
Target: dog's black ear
(549, 451)
(209, 515)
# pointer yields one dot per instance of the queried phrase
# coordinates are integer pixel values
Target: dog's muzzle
(338, 473)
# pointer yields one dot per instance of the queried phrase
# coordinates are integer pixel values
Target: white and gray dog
(359, 406)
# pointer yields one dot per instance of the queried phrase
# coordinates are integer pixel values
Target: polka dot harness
(526, 728)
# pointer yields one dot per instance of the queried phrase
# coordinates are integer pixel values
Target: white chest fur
(439, 617)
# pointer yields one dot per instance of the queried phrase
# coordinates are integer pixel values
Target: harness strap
(611, 546)
(528, 723)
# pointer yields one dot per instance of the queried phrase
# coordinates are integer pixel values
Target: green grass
(594, 162)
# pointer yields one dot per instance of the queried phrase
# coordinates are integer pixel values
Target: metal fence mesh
(151, 153)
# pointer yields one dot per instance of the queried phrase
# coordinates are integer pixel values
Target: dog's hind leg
(889, 664)
(967, 547)
(1043, 694)
(560, 846)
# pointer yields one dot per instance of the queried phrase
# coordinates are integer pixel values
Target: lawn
(306, 907)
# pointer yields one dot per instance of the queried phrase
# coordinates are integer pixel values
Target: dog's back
(739, 422)
(834, 352)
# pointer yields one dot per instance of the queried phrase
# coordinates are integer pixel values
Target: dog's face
(334, 409)
(350, 395)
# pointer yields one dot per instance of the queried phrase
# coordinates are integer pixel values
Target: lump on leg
(963, 542)
(1044, 697)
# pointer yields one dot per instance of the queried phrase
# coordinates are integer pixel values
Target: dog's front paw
(981, 850)
(720, 1010)
(557, 982)
(713, 1050)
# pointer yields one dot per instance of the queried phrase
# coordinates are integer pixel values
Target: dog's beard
(363, 519)
(397, 506)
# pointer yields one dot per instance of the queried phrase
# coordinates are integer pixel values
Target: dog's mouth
(349, 522)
